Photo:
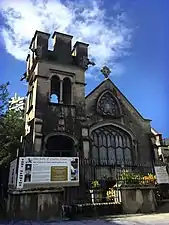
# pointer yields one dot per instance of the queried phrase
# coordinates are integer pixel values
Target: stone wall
(138, 200)
(33, 205)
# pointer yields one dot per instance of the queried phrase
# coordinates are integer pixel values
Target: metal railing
(100, 183)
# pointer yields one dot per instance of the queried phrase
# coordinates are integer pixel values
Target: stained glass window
(111, 145)
(108, 105)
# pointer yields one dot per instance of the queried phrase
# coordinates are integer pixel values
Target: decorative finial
(105, 71)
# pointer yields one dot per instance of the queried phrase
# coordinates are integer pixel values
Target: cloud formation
(109, 36)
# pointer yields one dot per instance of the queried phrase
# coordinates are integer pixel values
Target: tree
(11, 128)
(4, 97)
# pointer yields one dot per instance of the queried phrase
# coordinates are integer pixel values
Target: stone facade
(61, 121)
(130, 120)
(62, 72)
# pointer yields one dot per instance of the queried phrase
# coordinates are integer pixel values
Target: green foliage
(130, 177)
(111, 194)
(4, 97)
(95, 184)
(11, 129)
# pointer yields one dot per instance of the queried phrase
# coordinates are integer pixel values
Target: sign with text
(162, 175)
(45, 170)
(59, 173)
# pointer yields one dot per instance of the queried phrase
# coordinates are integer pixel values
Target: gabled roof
(108, 80)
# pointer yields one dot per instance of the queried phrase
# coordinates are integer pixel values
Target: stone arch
(110, 123)
(60, 145)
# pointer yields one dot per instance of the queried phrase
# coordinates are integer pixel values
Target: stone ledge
(137, 187)
(33, 191)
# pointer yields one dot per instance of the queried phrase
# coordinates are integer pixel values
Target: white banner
(12, 173)
(37, 170)
(162, 175)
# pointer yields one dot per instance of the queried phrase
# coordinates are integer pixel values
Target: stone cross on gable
(105, 71)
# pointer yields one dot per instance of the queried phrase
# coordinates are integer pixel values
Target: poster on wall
(12, 174)
(45, 170)
(21, 172)
(162, 175)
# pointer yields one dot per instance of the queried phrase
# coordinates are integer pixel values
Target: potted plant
(111, 195)
(150, 179)
(95, 184)
(130, 178)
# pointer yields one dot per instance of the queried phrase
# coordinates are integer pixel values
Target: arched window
(107, 105)
(59, 146)
(111, 145)
(55, 90)
(66, 91)
(54, 98)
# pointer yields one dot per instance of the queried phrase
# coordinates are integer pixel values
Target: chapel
(102, 129)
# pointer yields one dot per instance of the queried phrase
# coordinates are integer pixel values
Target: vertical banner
(21, 172)
(28, 170)
(12, 174)
(74, 167)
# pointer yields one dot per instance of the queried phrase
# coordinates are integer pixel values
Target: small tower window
(54, 98)
(30, 99)
(55, 90)
(67, 91)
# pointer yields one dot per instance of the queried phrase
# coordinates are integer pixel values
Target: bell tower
(56, 95)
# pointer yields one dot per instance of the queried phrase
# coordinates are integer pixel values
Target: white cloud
(108, 35)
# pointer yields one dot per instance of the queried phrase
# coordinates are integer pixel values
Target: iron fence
(100, 180)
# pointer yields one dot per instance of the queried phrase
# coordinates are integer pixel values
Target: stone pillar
(61, 92)
(38, 145)
(86, 148)
(71, 93)
(38, 137)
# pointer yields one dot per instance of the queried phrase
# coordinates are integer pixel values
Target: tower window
(54, 98)
(55, 90)
(30, 98)
(66, 91)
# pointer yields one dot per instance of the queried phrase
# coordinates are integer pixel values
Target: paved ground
(156, 219)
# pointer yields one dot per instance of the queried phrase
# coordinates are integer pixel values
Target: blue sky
(131, 37)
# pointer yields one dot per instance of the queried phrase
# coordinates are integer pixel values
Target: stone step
(163, 206)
